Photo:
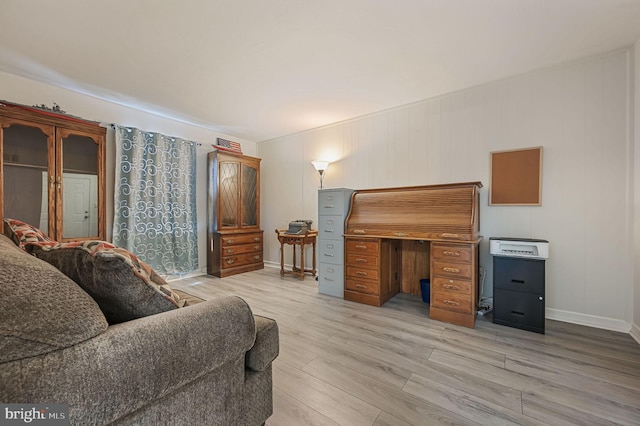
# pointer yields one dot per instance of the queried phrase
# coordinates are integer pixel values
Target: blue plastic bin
(425, 288)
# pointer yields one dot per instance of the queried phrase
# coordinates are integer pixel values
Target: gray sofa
(206, 364)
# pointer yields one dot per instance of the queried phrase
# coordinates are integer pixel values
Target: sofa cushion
(124, 287)
(23, 233)
(41, 309)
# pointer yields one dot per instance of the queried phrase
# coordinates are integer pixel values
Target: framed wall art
(516, 177)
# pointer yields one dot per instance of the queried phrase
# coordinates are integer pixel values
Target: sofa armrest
(266, 347)
(135, 362)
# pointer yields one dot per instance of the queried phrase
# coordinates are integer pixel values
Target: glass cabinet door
(229, 194)
(27, 172)
(249, 196)
(78, 209)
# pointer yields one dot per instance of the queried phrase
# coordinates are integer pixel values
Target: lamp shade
(320, 166)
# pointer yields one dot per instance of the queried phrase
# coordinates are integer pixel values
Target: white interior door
(78, 209)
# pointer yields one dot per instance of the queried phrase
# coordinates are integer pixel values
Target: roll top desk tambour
(396, 236)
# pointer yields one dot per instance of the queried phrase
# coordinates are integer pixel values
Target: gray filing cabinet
(333, 207)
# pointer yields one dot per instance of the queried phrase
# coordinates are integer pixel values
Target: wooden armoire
(235, 240)
(52, 172)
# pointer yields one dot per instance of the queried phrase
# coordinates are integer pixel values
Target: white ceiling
(260, 69)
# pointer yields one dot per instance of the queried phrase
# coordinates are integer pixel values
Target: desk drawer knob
(450, 302)
(359, 231)
(360, 260)
(451, 253)
(448, 269)
(361, 246)
(361, 274)
(361, 286)
(451, 287)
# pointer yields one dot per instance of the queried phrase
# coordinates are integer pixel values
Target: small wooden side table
(301, 240)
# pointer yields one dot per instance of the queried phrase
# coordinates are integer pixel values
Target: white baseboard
(177, 277)
(588, 320)
(635, 332)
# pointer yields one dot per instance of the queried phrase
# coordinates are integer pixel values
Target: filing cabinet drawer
(363, 246)
(367, 274)
(450, 269)
(331, 203)
(363, 286)
(331, 251)
(519, 274)
(329, 273)
(518, 309)
(363, 260)
(457, 253)
(331, 227)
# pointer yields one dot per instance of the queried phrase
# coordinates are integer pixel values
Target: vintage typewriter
(299, 227)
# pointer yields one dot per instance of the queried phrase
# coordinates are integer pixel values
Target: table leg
(281, 259)
(314, 258)
(301, 276)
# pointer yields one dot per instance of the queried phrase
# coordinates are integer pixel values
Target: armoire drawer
(234, 239)
(240, 260)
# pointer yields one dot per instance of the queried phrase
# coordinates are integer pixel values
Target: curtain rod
(198, 144)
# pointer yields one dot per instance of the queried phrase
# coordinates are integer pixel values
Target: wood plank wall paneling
(579, 112)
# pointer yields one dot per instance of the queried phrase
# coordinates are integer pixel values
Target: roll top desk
(396, 236)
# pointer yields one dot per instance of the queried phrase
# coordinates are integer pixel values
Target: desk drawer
(363, 261)
(229, 240)
(363, 286)
(457, 253)
(240, 260)
(241, 249)
(366, 274)
(331, 227)
(452, 301)
(447, 285)
(363, 246)
(451, 269)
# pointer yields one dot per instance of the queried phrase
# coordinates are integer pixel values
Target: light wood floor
(343, 363)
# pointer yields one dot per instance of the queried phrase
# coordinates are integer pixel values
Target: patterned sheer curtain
(155, 199)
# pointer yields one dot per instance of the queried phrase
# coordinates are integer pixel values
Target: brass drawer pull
(361, 274)
(451, 253)
(400, 234)
(361, 286)
(229, 251)
(360, 246)
(359, 231)
(230, 262)
(450, 287)
(448, 269)
(360, 260)
(448, 235)
(229, 241)
(257, 239)
(450, 302)
(256, 257)
(256, 248)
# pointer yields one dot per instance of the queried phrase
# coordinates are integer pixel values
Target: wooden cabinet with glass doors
(52, 172)
(235, 240)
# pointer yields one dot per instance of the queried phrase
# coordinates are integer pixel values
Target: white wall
(635, 330)
(29, 92)
(579, 112)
